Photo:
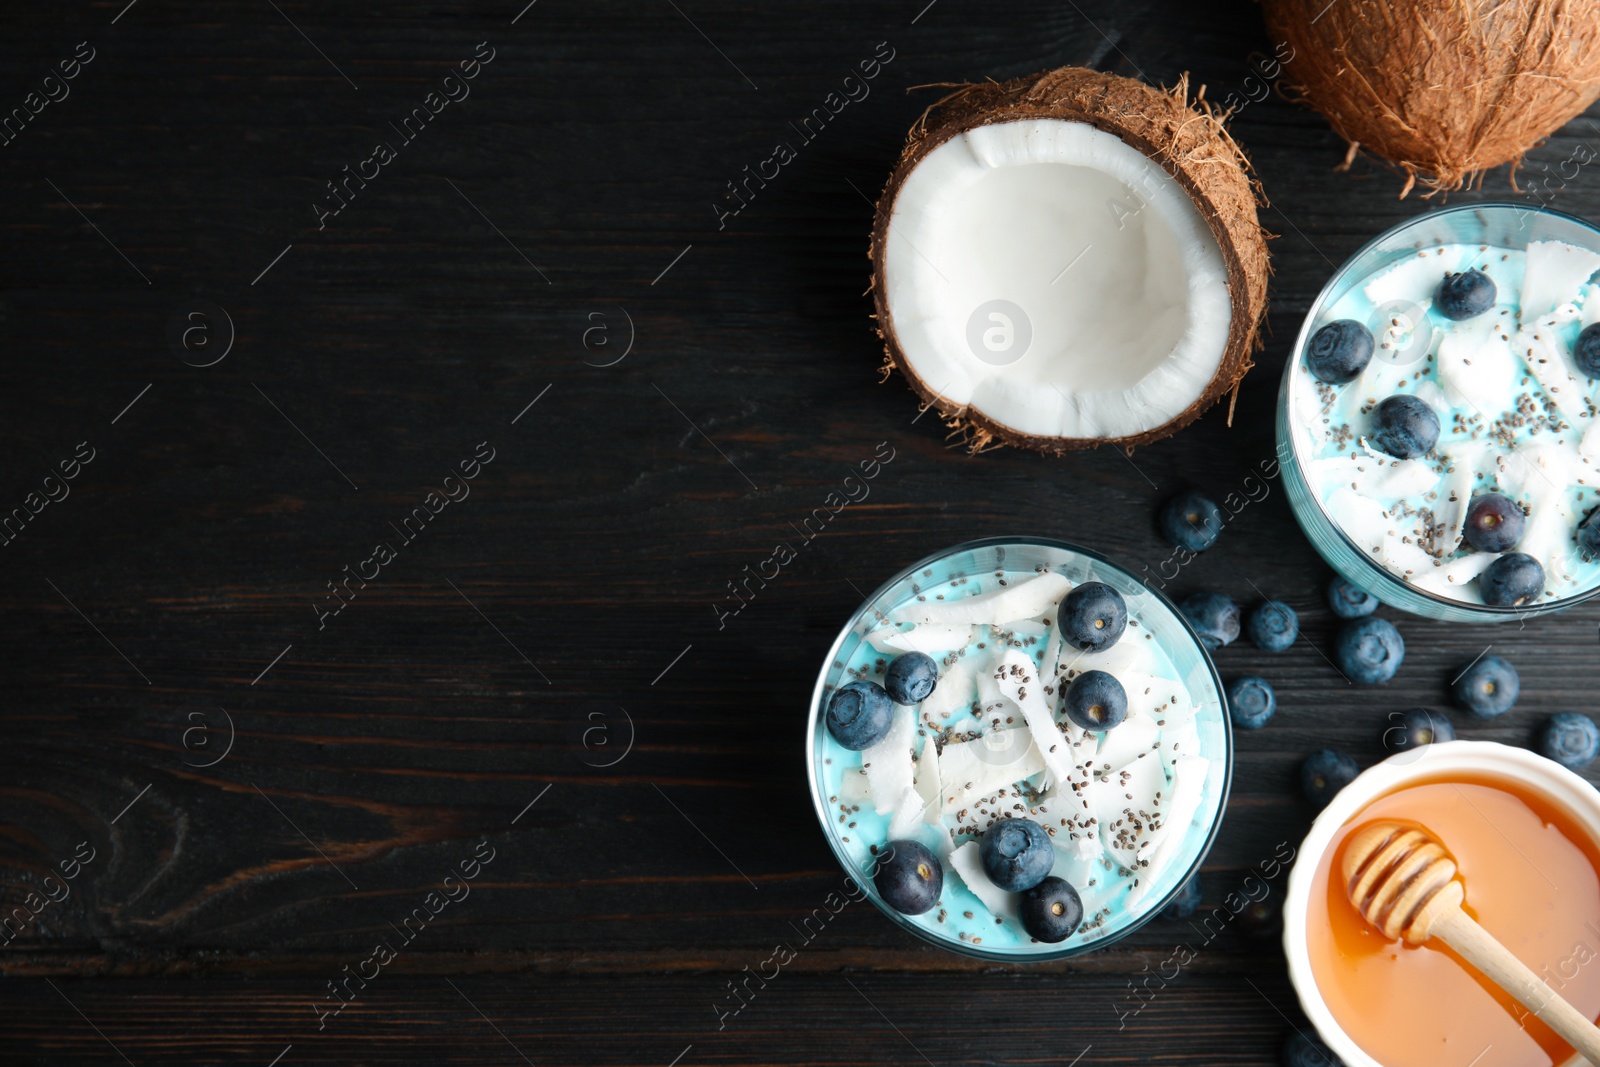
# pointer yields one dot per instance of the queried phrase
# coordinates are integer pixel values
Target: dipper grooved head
(1401, 879)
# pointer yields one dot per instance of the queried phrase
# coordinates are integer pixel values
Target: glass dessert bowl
(910, 794)
(1435, 415)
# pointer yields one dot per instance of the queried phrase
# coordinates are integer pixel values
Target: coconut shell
(1189, 142)
(1443, 89)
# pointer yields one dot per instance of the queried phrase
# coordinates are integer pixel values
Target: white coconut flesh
(1119, 295)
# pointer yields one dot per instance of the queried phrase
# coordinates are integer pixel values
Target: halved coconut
(1069, 260)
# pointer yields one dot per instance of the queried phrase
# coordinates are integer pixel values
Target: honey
(1532, 878)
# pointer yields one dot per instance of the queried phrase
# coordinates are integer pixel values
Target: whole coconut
(1443, 89)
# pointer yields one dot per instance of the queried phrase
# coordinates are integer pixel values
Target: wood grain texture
(580, 577)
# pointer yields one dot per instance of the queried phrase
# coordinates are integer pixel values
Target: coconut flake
(1477, 367)
(955, 692)
(1130, 807)
(1129, 740)
(968, 866)
(972, 769)
(927, 785)
(1187, 789)
(907, 819)
(1413, 275)
(888, 763)
(1017, 678)
(1546, 359)
(934, 639)
(854, 789)
(1022, 600)
(1452, 578)
(1364, 521)
(1554, 273)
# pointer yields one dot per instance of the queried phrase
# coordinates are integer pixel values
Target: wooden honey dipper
(1403, 882)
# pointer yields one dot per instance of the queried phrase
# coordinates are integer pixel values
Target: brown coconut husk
(1187, 138)
(1443, 89)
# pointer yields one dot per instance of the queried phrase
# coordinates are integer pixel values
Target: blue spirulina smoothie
(1123, 807)
(1517, 416)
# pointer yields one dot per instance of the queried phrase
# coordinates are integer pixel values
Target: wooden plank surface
(484, 288)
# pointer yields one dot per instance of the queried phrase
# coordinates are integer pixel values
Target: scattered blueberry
(1261, 919)
(1488, 687)
(1405, 427)
(1513, 579)
(1589, 535)
(1369, 650)
(1092, 617)
(1051, 910)
(860, 714)
(911, 677)
(1571, 739)
(1307, 1050)
(1494, 523)
(1586, 353)
(1324, 773)
(1186, 901)
(1464, 295)
(1273, 626)
(1411, 729)
(1096, 701)
(1339, 351)
(908, 877)
(1215, 618)
(1191, 520)
(1350, 601)
(1251, 702)
(1016, 854)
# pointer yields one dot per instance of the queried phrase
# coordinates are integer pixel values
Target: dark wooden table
(542, 274)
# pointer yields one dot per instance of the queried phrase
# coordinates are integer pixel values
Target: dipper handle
(1478, 947)
(1403, 882)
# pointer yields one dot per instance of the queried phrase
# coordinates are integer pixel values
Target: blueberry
(1515, 578)
(1324, 773)
(1096, 701)
(1092, 617)
(1215, 618)
(1261, 919)
(1350, 601)
(1369, 650)
(1307, 1050)
(1051, 910)
(908, 877)
(1488, 687)
(1273, 626)
(1588, 535)
(1411, 729)
(1016, 854)
(1405, 427)
(911, 677)
(1186, 901)
(859, 715)
(1251, 702)
(1494, 523)
(1339, 351)
(1464, 295)
(1586, 353)
(1192, 521)
(1570, 739)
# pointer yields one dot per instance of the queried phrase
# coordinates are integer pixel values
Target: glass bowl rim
(1319, 305)
(864, 879)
